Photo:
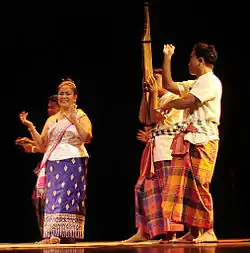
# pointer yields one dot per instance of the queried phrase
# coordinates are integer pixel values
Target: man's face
(53, 108)
(158, 78)
(193, 64)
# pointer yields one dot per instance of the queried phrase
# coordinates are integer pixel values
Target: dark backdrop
(99, 46)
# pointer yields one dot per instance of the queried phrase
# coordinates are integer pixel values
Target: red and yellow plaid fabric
(187, 197)
(147, 161)
(149, 196)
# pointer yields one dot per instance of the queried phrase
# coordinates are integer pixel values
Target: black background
(98, 45)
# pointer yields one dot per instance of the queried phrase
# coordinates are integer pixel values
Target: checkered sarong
(187, 197)
(149, 196)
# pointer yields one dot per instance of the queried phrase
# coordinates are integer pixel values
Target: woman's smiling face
(66, 96)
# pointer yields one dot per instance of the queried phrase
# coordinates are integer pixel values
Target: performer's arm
(84, 128)
(144, 109)
(82, 124)
(181, 103)
(31, 148)
(167, 81)
(40, 140)
(153, 99)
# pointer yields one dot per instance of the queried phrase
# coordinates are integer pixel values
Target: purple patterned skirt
(65, 198)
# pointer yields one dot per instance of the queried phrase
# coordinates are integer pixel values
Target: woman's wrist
(76, 122)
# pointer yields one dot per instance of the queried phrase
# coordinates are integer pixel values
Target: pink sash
(41, 175)
(179, 145)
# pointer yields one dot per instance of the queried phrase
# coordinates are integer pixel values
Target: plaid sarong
(149, 196)
(147, 161)
(187, 197)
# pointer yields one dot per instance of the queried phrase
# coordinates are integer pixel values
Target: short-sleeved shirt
(205, 116)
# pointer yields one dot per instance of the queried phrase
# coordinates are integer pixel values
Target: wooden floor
(222, 246)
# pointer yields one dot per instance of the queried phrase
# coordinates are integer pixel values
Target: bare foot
(44, 241)
(170, 236)
(54, 240)
(207, 236)
(138, 237)
(188, 237)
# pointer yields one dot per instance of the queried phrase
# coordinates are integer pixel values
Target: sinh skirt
(65, 198)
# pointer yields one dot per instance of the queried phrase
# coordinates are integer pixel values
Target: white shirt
(206, 115)
(162, 145)
(70, 145)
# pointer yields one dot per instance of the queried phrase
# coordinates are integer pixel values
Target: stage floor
(222, 246)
